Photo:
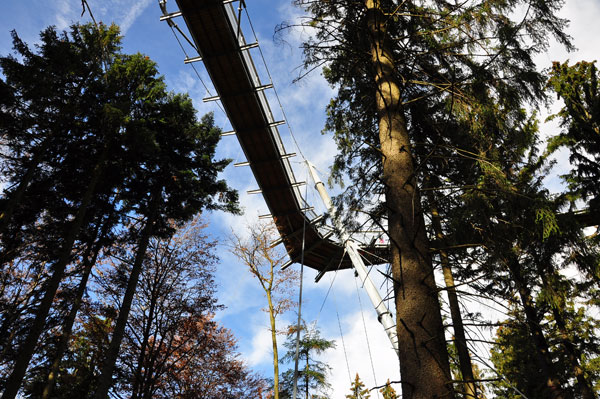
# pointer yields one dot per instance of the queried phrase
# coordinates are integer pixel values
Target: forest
(107, 269)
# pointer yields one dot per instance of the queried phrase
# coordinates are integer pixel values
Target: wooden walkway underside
(225, 55)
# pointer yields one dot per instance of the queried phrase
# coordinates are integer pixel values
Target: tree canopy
(96, 152)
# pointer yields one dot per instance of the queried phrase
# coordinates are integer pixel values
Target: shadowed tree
(105, 124)
(172, 347)
(578, 87)
(179, 177)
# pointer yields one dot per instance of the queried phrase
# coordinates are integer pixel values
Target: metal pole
(383, 314)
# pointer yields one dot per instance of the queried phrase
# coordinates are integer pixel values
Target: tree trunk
(572, 351)
(460, 341)
(70, 320)
(29, 345)
(552, 384)
(105, 379)
(275, 353)
(424, 365)
(306, 374)
(138, 377)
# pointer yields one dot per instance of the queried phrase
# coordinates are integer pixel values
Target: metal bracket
(189, 60)
(171, 15)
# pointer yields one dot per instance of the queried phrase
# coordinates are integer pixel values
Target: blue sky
(304, 104)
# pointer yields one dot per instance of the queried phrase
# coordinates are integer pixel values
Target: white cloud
(384, 361)
(64, 15)
(132, 13)
(262, 347)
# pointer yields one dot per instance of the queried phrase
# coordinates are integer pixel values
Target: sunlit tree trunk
(274, 342)
(424, 365)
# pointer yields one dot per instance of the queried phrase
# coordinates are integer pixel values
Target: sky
(342, 315)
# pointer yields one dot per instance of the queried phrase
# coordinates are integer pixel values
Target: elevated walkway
(214, 29)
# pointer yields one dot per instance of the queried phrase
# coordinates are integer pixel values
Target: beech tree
(173, 347)
(264, 262)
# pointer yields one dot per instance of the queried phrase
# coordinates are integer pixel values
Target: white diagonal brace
(383, 314)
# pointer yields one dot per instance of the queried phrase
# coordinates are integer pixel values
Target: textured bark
(28, 347)
(424, 365)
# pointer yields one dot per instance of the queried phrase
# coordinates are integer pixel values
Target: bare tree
(264, 261)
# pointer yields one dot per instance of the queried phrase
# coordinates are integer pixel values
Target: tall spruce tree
(514, 218)
(177, 180)
(105, 128)
(69, 75)
(390, 61)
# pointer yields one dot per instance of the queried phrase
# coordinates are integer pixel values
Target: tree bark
(572, 351)
(70, 320)
(552, 384)
(274, 341)
(460, 341)
(29, 345)
(105, 379)
(424, 365)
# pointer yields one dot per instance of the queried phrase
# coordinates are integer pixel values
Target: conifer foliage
(312, 372)
(358, 390)
(95, 151)
(418, 83)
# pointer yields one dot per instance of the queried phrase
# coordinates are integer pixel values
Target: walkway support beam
(383, 314)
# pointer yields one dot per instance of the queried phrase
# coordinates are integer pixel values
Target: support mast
(383, 314)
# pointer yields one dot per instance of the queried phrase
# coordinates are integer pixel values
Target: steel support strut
(383, 314)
